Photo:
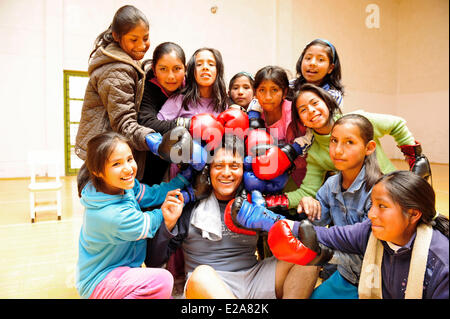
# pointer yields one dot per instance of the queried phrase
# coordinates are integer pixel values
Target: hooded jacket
(114, 228)
(112, 100)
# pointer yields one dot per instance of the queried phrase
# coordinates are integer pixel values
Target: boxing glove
(279, 201)
(251, 183)
(254, 110)
(253, 215)
(174, 146)
(304, 250)
(205, 127)
(200, 187)
(270, 161)
(257, 137)
(228, 221)
(199, 156)
(234, 121)
(303, 143)
(418, 163)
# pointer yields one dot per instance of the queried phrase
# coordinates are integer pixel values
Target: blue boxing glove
(254, 110)
(251, 183)
(199, 156)
(254, 215)
(303, 143)
(201, 187)
(174, 146)
(153, 142)
(188, 194)
(187, 173)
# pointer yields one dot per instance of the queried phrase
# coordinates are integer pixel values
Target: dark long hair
(411, 191)
(99, 148)
(330, 102)
(334, 78)
(191, 91)
(373, 171)
(125, 19)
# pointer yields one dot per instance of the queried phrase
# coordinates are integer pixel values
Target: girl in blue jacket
(112, 243)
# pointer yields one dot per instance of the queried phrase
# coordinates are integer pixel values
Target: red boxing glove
(277, 201)
(257, 137)
(285, 246)
(204, 126)
(270, 162)
(234, 120)
(230, 224)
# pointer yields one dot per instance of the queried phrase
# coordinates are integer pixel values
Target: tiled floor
(38, 260)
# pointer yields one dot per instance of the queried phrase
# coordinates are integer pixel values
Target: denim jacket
(343, 208)
(340, 208)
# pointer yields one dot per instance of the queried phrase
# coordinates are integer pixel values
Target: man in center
(220, 263)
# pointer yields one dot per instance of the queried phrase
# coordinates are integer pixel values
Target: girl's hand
(172, 208)
(310, 207)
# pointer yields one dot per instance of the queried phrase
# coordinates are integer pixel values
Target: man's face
(226, 173)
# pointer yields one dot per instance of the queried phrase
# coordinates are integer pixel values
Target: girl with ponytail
(344, 199)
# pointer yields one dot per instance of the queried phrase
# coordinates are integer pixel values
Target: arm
(118, 96)
(314, 177)
(166, 242)
(148, 196)
(386, 124)
(132, 224)
(304, 244)
(349, 239)
(152, 101)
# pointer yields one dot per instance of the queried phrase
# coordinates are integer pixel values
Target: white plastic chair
(49, 160)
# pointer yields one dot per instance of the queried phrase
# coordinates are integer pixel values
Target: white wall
(41, 38)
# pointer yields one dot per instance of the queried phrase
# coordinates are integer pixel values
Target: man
(220, 263)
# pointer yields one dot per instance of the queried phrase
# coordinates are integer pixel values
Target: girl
(317, 109)
(319, 64)
(271, 87)
(240, 89)
(344, 199)
(112, 243)
(205, 90)
(404, 241)
(164, 79)
(116, 83)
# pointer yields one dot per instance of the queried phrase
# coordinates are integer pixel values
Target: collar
(155, 82)
(395, 249)
(355, 186)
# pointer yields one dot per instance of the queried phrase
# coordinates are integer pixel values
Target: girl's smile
(120, 170)
(136, 42)
(313, 112)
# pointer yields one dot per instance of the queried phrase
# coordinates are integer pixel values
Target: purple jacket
(395, 266)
